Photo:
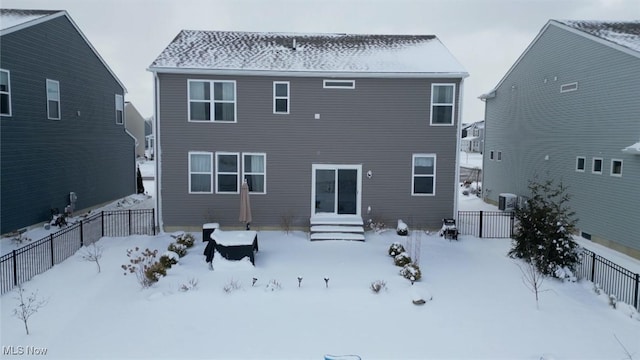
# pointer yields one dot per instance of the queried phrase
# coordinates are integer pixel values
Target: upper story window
(280, 97)
(5, 93)
(580, 163)
(212, 100)
(339, 84)
(569, 87)
(616, 167)
(442, 104)
(119, 109)
(53, 99)
(596, 166)
(227, 172)
(254, 171)
(200, 172)
(423, 176)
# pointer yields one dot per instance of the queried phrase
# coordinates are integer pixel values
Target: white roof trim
(56, 15)
(357, 74)
(491, 93)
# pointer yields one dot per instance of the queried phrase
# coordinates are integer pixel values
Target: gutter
(156, 151)
(456, 180)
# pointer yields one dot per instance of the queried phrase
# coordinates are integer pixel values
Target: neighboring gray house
(569, 110)
(473, 138)
(135, 124)
(327, 129)
(61, 120)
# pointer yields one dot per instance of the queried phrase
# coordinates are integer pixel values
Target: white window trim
(621, 167)
(276, 97)
(264, 173)
(325, 86)
(593, 167)
(49, 99)
(119, 103)
(8, 92)
(212, 101)
(570, 86)
(413, 175)
(237, 173)
(452, 104)
(584, 163)
(210, 173)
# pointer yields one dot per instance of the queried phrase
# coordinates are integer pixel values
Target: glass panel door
(347, 191)
(325, 191)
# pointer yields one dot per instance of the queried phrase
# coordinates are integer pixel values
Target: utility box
(507, 202)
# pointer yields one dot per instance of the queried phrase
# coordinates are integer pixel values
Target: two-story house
(327, 129)
(62, 122)
(569, 110)
(473, 138)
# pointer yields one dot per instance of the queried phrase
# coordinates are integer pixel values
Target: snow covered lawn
(480, 306)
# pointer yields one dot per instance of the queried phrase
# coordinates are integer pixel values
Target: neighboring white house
(474, 139)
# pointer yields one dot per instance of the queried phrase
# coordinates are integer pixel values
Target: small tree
(532, 279)
(543, 235)
(93, 253)
(27, 306)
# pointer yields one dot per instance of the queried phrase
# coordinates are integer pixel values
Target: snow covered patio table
(235, 245)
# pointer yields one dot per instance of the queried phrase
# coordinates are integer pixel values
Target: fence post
(129, 222)
(512, 217)
(15, 269)
(102, 221)
(593, 266)
(53, 261)
(153, 220)
(81, 235)
(480, 234)
(635, 296)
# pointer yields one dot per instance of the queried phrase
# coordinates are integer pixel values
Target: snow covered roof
(634, 149)
(303, 52)
(12, 20)
(620, 35)
(625, 33)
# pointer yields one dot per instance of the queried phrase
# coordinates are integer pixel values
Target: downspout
(156, 151)
(456, 180)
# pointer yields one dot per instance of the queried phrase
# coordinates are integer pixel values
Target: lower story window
(227, 174)
(255, 172)
(423, 178)
(200, 172)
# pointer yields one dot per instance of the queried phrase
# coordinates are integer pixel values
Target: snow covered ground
(480, 307)
(470, 160)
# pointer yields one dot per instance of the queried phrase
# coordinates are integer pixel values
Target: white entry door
(336, 189)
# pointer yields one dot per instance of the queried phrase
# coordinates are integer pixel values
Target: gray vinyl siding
(84, 152)
(380, 124)
(534, 120)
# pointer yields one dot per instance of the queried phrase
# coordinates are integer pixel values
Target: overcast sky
(486, 36)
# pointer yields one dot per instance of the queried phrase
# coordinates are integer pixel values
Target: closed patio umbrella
(245, 206)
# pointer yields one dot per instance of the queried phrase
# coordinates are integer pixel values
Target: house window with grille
(442, 104)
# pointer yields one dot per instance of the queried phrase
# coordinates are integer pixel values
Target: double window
(212, 100)
(5, 93)
(280, 97)
(228, 174)
(53, 99)
(119, 109)
(442, 104)
(423, 177)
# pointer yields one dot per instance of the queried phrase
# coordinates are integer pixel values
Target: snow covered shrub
(169, 259)
(191, 285)
(273, 285)
(565, 274)
(395, 249)
(231, 286)
(597, 289)
(411, 272)
(613, 301)
(186, 239)
(155, 272)
(402, 229)
(179, 249)
(544, 231)
(376, 225)
(378, 285)
(402, 259)
(139, 263)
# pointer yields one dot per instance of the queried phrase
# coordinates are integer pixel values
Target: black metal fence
(612, 278)
(487, 224)
(22, 264)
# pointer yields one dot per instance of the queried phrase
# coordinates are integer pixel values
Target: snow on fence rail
(24, 263)
(612, 278)
(486, 224)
